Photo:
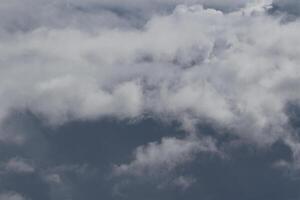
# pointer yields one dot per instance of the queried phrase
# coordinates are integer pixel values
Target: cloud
(18, 165)
(228, 63)
(155, 158)
(11, 196)
(289, 6)
(184, 182)
(92, 14)
(231, 72)
(62, 178)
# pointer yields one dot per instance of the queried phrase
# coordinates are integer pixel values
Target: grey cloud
(92, 15)
(183, 182)
(11, 196)
(18, 165)
(289, 6)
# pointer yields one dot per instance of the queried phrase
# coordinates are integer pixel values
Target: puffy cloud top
(229, 63)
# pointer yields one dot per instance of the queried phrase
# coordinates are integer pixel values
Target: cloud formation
(18, 165)
(238, 72)
(11, 196)
(155, 159)
(288, 6)
(232, 64)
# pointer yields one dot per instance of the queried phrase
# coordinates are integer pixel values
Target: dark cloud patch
(29, 185)
(248, 174)
(291, 7)
(78, 157)
(112, 140)
(293, 111)
(91, 15)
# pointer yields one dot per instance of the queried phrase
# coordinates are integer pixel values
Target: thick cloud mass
(236, 69)
(231, 65)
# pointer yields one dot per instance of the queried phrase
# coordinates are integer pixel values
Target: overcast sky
(149, 99)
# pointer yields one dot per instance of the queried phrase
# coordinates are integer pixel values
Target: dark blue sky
(82, 154)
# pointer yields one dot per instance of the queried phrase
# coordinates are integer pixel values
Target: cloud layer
(232, 64)
(238, 69)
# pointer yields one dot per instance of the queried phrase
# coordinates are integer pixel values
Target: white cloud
(232, 65)
(155, 158)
